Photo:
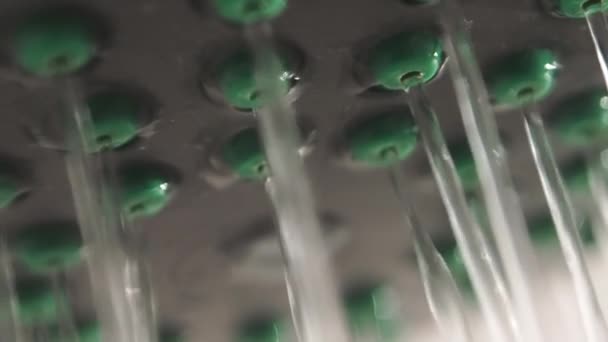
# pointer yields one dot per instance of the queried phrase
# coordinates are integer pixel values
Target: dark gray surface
(158, 45)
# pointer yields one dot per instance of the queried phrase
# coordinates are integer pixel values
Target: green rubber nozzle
(583, 119)
(115, 120)
(368, 309)
(542, 232)
(53, 43)
(37, 303)
(383, 140)
(10, 189)
(244, 155)
(406, 60)
(580, 8)
(146, 191)
(576, 176)
(237, 81)
(266, 330)
(86, 332)
(89, 332)
(465, 165)
(49, 248)
(452, 257)
(171, 335)
(250, 11)
(523, 78)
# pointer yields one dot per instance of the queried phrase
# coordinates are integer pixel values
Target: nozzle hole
(21, 195)
(59, 62)
(136, 208)
(590, 5)
(105, 139)
(411, 76)
(261, 169)
(525, 93)
(389, 153)
(253, 6)
(54, 261)
(254, 96)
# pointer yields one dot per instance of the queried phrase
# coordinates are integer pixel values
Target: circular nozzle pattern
(244, 155)
(583, 119)
(370, 309)
(465, 165)
(406, 60)
(48, 248)
(238, 84)
(249, 11)
(115, 119)
(54, 43)
(264, 330)
(580, 8)
(36, 302)
(146, 190)
(523, 78)
(384, 139)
